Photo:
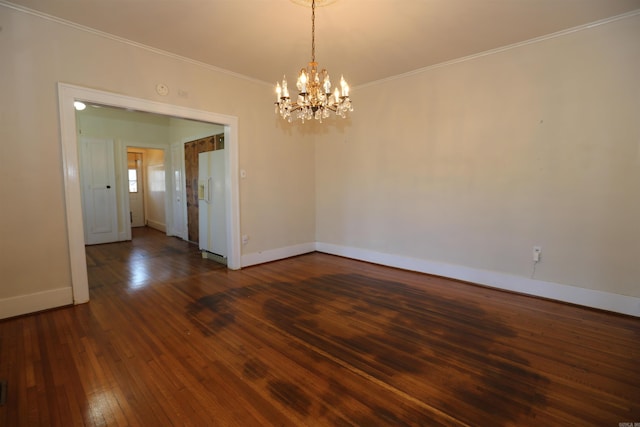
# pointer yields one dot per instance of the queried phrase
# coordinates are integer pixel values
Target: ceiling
(366, 40)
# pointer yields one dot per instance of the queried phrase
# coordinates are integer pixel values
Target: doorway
(67, 95)
(146, 188)
(136, 187)
(122, 161)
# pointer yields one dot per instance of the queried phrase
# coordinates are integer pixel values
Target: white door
(179, 206)
(97, 177)
(212, 204)
(136, 189)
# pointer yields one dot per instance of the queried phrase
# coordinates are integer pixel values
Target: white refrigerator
(212, 218)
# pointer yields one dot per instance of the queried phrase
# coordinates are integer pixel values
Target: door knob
(108, 186)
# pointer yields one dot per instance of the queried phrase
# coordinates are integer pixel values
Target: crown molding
(119, 39)
(535, 40)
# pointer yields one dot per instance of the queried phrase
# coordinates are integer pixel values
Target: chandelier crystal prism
(315, 99)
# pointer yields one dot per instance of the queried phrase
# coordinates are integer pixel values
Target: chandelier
(315, 99)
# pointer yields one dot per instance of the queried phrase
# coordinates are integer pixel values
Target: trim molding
(31, 303)
(276, 254)
(570, 294)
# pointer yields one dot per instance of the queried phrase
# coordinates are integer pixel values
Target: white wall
(471, 164)
(277, 197)
(125, 125)
(189, 130)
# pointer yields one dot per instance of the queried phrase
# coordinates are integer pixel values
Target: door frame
(123, 149)
(67, 95)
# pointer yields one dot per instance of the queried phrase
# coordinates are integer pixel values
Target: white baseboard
(31, 303)
(556, 291)
(276, 254)
(25, 304)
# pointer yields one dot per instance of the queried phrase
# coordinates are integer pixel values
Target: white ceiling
(366, 40)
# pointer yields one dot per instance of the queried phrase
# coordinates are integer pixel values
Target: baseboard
(276, 254)
(157, 225)
(213, 257)
(31, 303)
(566, 293)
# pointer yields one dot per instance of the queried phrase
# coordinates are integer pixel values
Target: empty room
(320, 213)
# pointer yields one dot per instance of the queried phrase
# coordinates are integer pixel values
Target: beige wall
(277, 197)
(472, 164)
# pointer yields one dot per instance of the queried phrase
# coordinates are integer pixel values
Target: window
(133, 181)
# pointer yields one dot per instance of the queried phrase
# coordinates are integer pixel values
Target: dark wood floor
(172, 339)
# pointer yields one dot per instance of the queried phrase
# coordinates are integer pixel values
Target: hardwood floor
(169, 338)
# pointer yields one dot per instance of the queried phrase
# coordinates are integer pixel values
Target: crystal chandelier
(315, 99)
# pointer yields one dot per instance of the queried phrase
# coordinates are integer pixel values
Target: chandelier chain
(313, 31)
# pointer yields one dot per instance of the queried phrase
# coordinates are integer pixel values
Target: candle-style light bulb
(278, 92)
(345, 86)
(303, 81)
(327, 85)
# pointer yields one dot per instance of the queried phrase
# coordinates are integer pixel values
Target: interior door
(97, 176)
(136, 189)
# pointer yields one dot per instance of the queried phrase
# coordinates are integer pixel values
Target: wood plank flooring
(171, 339)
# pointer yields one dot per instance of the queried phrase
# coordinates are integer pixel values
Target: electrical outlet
(537, 251)
(245, 239)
